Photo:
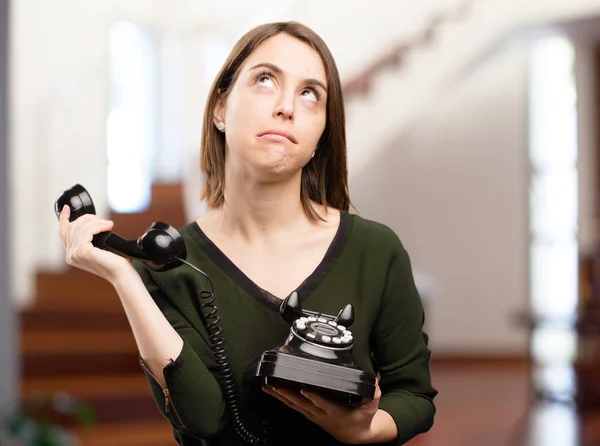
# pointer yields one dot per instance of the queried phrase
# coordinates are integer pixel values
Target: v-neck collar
(307, 286)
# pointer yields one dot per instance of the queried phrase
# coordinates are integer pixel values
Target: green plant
(47, 420)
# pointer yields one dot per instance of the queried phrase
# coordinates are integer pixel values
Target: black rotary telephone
(318, 353)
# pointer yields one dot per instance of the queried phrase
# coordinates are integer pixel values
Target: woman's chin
(275, 161)
(275, 170)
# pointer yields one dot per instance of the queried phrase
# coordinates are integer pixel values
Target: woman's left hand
(347, 424)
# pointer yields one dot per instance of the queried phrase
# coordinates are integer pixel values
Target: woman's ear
(219, 113)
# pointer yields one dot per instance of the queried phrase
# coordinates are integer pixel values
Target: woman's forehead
(291, 55)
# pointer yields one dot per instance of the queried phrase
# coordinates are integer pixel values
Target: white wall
(454, 187)
(59, 106)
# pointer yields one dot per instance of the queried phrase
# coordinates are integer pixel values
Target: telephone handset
(318, 353)
(159, 247)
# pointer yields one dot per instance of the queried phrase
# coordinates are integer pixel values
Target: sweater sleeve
(401, 353)
(192, 400)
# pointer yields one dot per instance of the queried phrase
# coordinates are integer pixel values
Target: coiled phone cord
(219, 350)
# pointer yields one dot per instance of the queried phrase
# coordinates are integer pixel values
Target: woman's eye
(265, 80)
(311, 95)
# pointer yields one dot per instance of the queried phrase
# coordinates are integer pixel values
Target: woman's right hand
(77, 237)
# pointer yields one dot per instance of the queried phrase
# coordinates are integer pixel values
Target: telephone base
(346, 384)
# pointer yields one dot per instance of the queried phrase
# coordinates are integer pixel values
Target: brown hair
(325, 177)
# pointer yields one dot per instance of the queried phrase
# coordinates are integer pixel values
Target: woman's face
(276, 110)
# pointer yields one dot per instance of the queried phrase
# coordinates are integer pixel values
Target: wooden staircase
(76, 339)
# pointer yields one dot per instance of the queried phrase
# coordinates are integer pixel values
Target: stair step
(157, 433)
(73, 355)
(48, 365)
(70, 273)
(112, 398)
(90, 386)
(90, 302)
(69, 342)
(75, 285)
(74, 319)
(166, 193)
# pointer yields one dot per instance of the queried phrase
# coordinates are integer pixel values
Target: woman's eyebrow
(278, 70)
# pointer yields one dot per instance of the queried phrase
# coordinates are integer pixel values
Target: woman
(274, 155)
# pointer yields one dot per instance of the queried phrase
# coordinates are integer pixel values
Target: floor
(488, 405)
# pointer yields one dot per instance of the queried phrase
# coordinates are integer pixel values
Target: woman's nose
(285, 108)
(286, 113)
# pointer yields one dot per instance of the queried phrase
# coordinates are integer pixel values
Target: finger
(86, 232)
(289, 403)
(63, 223)
(377, 393)
(294, 396)
(301, 403)
(377, 388)
(80, 247)
(84, 219)
(88, 225)
(74, 227)
(91, 228)
(323, 403)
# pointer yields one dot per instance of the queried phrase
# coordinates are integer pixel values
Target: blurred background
(471, 132)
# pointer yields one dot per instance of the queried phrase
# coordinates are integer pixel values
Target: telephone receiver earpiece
(159, 247)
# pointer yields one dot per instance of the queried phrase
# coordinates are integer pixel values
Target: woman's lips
(278, 135)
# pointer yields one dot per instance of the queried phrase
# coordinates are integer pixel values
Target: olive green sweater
(365, 265)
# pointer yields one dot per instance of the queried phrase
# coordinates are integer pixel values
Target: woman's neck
(261, 211)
